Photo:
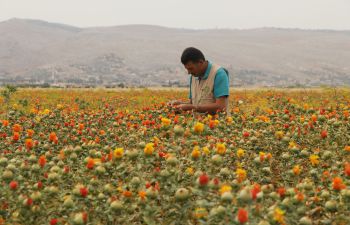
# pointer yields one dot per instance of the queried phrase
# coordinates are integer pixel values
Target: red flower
(203, 179)
(216, 181)
(85, 217)
(161, 154)
(281, 191)
(13, 185)
(40, 184)
(66, 169)
(324, 134)
(246, 134)
(53, 221)
(242, 215)
(29, 202)
(84, 192)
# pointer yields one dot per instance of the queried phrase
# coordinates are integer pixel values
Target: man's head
(194, 61)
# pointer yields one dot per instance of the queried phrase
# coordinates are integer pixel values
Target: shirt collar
(207, 71)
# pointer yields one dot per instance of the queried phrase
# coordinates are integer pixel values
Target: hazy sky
(307, 14)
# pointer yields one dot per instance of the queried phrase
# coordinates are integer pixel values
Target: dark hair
(191, 55)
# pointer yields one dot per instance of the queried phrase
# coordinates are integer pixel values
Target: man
(209, 84)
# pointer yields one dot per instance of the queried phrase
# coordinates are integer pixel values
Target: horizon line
(182, 28)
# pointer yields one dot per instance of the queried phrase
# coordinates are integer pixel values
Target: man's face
(195, 68)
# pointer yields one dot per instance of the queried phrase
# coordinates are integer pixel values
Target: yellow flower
(15, 106)
(59, 106)
(278, 215)
(240, 153)
(118, 153)
(292, 144)
(225, 188)
(261, 154)
(196, 152)
(198, 127)
(206, 150)
(120, 189)
(165, 122)
(190, 171)
(149, 149)
(220, 148)
(241, 174)
(279, 135)
(46, 111)
(229, 119)
(314, 160)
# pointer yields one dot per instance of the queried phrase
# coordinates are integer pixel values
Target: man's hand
(185, 107)
(174, 103)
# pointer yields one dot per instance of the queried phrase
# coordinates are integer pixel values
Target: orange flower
(30, 132)
(29, 143)
(15, 136)
(142, 195)
(90, 164)
(314, 118)
(347, 148)
(42, 161)
(338, 184)
(5, 123)
(346, 113)
(300, 197)
(61, 155)
(81, 126)
(127, 194)
(17, 128)
(196, 152)
(296, 170)
(347, 169)
(53, 137)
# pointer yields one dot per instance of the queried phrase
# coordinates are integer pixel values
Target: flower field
(124, 157)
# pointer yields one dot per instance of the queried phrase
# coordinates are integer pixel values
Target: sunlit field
(107, 156)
